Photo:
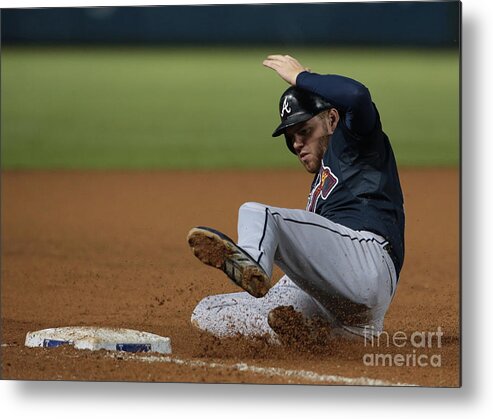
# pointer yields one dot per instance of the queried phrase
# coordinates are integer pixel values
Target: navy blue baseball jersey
(358, 184)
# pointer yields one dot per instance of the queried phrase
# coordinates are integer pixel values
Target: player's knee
(202, 317)
(199, 309)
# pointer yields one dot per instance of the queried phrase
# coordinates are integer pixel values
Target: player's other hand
(286, 66)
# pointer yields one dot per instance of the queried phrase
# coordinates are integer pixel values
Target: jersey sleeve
(347, 95)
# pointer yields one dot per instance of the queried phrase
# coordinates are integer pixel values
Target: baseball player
(342, 255)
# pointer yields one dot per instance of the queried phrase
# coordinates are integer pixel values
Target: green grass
(204, 107)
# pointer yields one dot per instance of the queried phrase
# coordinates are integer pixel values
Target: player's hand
(286, 66)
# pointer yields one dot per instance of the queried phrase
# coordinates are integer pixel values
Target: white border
(88, 3)
(82, 400)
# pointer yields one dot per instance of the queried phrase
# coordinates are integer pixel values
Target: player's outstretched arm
(285, 66)
(346, 94)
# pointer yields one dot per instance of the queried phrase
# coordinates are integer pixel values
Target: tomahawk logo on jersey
(325, 184)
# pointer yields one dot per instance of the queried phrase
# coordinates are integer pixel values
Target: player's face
(310, 140)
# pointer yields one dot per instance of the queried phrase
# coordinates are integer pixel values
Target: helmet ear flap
(289, 144)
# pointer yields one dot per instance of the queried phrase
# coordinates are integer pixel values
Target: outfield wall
(430, 24)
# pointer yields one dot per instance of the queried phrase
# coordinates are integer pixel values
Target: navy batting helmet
(297, 105)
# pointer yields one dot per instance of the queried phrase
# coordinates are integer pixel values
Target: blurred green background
(191, 107)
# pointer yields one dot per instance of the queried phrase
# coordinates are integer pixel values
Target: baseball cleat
(216, 249)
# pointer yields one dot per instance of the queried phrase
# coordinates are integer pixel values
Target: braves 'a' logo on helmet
(326, 182)
(285, 107)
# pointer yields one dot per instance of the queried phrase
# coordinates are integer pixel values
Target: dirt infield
(109, 249)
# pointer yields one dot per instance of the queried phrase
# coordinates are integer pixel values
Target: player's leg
(241, 314)
(348, 272)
